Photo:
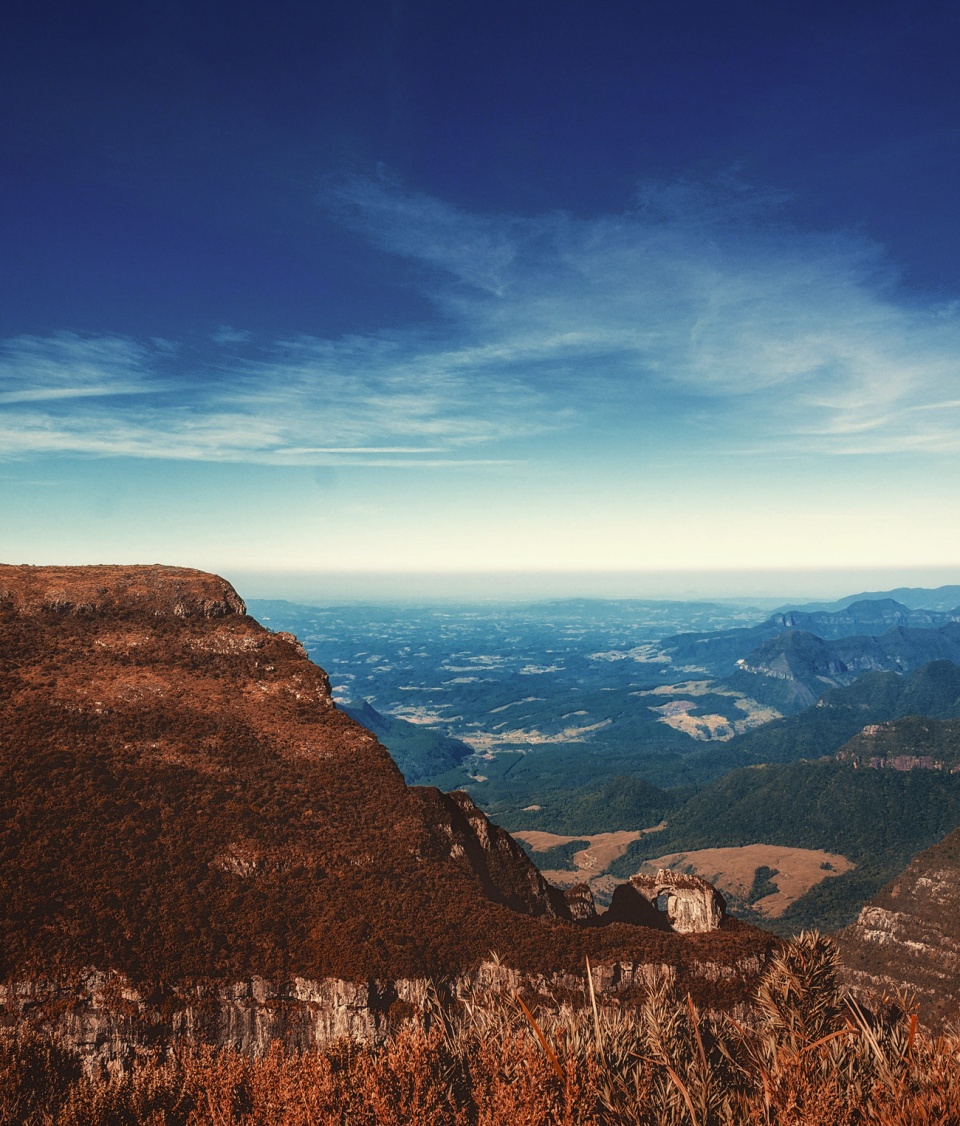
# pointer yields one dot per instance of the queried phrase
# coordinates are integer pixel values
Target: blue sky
(417, 287)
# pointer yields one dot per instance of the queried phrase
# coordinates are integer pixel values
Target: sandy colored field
(603, 849)
(590, 862)
(732, 870)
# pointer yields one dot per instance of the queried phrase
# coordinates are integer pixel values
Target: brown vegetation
(181, 802)
(806, 1054)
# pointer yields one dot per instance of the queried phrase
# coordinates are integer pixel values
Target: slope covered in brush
(180, 800)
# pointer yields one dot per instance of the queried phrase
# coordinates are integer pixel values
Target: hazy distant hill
(943, 598)
(793, 669)
(719, 652)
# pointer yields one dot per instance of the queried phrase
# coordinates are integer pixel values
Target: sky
(361, 290)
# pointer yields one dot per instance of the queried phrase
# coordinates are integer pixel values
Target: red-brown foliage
(180, 801)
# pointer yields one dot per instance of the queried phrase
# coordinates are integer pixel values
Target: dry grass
(806, 1055)
(601, 852)
(732, 869)
(590, 863)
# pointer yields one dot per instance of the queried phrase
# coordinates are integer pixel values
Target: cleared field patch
(604, 847)
(742, 714)
(794, 871)
(590, 863)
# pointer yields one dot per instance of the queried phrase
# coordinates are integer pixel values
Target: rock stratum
(195, 841)
(907, 938)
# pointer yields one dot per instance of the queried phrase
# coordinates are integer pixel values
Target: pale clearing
(676, 712)
(732, 870)
(590, 863)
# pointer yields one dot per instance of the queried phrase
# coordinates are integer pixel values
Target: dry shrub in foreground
(808, 1056)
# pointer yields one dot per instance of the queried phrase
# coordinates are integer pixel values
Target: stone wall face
(907, 938)
(106, 1021)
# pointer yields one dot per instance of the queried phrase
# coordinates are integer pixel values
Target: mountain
(722, 652)
(793, 669)
(942, 598)
(823, 728)
(916, 742)
(908, 936)
(187, 820)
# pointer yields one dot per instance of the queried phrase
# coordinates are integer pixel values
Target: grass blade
(550, 1053)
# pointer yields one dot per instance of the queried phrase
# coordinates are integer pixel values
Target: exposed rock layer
(691, 904)
(908, 936)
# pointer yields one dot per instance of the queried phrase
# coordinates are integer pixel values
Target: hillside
(793, 669)
(839, 715)
(720, 652)
(878, 819)
(181, 803)
(420, 751)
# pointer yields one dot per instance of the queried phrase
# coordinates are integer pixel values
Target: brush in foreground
(805, 1054)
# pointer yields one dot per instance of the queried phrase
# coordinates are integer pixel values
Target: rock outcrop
(505, 871)
(183, 808)
(907, 938)
(88, 591)
(690, 904)
(580, 902)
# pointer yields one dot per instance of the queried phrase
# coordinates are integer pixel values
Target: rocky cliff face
(908, 936)
(184, 813)
(691, 905)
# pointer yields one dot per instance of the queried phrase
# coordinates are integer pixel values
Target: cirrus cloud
(697, 303)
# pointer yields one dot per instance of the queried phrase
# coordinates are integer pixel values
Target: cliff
(186, 814)
(907, 938)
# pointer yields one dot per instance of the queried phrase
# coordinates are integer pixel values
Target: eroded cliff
(907, 938)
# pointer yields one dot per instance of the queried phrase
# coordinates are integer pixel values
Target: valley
(581, 720)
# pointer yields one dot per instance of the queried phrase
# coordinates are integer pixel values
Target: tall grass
(805, 1054)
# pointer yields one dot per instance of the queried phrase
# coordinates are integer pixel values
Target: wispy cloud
(705, 297)
(697, 303)
(357, 401)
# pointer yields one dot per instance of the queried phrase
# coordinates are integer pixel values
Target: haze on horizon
(416, 290)
(764, 589)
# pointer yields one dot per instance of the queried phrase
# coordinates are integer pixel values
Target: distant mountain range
(795, 668)
(933, 690)
(722, 652)
(916, 597)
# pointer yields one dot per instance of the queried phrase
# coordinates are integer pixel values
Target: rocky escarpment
(506, 873)
(104, 1018)
(907, 938)
(118, 591)
(184, 813)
